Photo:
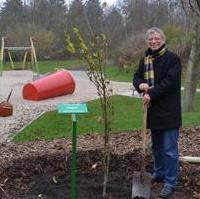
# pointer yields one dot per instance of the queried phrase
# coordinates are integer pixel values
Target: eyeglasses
(154, 38)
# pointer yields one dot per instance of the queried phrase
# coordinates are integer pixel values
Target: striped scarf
(149, 68)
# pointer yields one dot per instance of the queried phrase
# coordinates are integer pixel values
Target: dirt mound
(42, 169)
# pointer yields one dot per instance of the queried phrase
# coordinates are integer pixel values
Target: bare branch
(196, 12)
(198, 4)
(1, 187)
(183, 6)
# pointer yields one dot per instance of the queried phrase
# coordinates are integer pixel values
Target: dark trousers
(165, 153)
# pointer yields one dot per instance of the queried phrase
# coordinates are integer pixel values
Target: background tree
(76, 18)
(123, 23)
(94, 13)
(114, 28)
(193, 66)
(12, 13)
(47, 17)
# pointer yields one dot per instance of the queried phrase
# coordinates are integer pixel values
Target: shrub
(127, 55)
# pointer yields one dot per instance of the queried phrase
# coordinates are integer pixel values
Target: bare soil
(42, 169)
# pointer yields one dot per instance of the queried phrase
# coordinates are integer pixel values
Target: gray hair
(153, 30)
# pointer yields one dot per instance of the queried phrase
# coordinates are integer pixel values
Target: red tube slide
(56, 84)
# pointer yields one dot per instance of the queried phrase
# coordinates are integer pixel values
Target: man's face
(155, 41)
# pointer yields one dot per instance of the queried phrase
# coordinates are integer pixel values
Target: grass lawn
(193, 118)
(49, 66)
(198, 84)
(112, 72)
(127, 116)
(118, 74)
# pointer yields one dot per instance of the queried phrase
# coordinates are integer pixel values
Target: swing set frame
(30, 49)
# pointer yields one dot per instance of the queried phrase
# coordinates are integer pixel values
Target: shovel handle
(9, 95)
(144, 138)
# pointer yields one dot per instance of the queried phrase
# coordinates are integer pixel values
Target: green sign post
(73, 109)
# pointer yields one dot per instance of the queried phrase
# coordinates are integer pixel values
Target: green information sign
(73, 109)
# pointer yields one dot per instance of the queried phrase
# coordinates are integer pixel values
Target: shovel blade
(141, 187)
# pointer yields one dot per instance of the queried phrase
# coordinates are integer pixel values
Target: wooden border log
(189, 159)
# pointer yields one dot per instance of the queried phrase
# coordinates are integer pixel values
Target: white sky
(109, 2)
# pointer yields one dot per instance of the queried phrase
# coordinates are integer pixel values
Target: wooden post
(24, 60)
(2, 54)
(34, 55)
(11, 61)
(190, 159)
(32, 62)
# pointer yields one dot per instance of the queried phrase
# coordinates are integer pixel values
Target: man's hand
(144, 87)
(146, 99)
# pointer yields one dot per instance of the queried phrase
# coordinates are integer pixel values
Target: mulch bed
(42, 169)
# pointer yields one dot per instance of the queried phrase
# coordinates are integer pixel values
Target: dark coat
(165, 108)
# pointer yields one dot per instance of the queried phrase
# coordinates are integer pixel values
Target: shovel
(141, 187)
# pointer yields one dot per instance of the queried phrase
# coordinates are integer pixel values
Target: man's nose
(153, 40)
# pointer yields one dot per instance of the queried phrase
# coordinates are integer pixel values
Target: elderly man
(159, 79)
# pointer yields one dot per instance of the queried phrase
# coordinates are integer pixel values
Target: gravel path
(25, 111)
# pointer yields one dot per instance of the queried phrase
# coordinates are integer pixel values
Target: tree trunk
(189, 86)
(192, 72)
(106, 144)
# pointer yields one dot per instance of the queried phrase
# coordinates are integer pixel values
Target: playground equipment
(6, 108)
(30, 49)
(56, 84)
